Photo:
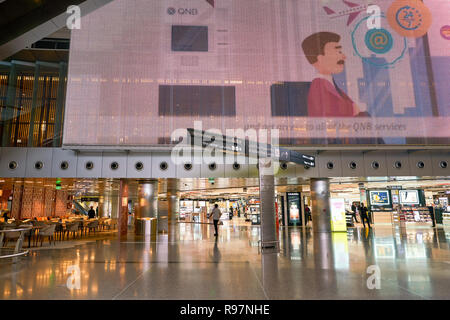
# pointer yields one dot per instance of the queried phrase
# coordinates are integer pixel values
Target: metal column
(173, 206)
(148, 199)
(267, 203)
(122, 222)
(320, 196)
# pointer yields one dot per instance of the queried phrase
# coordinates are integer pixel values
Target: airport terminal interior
(187, 261)
(94, 205)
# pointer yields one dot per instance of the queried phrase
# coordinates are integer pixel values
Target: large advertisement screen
(379, 198)
(409, 196)
(294, 209)
(319, 71)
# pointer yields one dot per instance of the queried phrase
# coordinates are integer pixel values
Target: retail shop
(406, 202)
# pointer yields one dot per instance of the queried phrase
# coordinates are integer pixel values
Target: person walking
(354, 208)
(231, 213)
(91, 213)
(363, 214)
(307, 215)
(215, 215)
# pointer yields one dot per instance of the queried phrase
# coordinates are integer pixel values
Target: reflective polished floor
(413, 263)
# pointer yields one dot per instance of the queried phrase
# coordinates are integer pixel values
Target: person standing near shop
(354, 208)
(5, 216)
(431, 210)
(364, 214)
(91, 213)
(307, 215)
(231, 213)
(215, 215)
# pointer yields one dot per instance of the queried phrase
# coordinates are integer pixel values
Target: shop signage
(294, 209)
(338, 220)
(89, 199)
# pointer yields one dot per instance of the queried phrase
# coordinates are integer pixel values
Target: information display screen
(294, 209)
(319, 71)
(409, 196)
(379, 197)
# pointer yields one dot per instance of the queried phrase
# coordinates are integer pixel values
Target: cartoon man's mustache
(341, 62)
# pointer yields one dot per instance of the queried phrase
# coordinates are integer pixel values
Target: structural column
(147, 208)
(320, 197)
(101, 208)
(123, 209)
(172, 207)
(267, 203)
(148, 199)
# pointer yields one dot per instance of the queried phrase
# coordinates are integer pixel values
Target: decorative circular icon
(409, 18)
(171, 11)
(379, 40)
(445, 32)
(379, 47)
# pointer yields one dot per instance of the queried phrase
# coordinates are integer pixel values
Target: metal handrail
(14, 230)
(18, 248)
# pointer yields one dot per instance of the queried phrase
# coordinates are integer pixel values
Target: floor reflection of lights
(411, 262)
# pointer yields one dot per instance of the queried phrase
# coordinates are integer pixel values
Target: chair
(92, 225)
(13, 235)
(29, 233)
(113, 223)
(101, 223)
(81, 225)
(37, 223)
(47, 231)
(59, 229)
(72, 227)
(107, 224)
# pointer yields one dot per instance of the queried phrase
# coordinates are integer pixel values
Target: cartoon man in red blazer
(325, 98)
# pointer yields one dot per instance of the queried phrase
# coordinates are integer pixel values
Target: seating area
(56, 229)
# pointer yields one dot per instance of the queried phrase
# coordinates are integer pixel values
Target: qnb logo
(183, 11)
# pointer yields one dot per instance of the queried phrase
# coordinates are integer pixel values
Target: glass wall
(32, 103)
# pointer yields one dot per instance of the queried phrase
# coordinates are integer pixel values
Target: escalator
(80, 208)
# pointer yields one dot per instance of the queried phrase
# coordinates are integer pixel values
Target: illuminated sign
(378, 198)
(338, 219)
(409, 196)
